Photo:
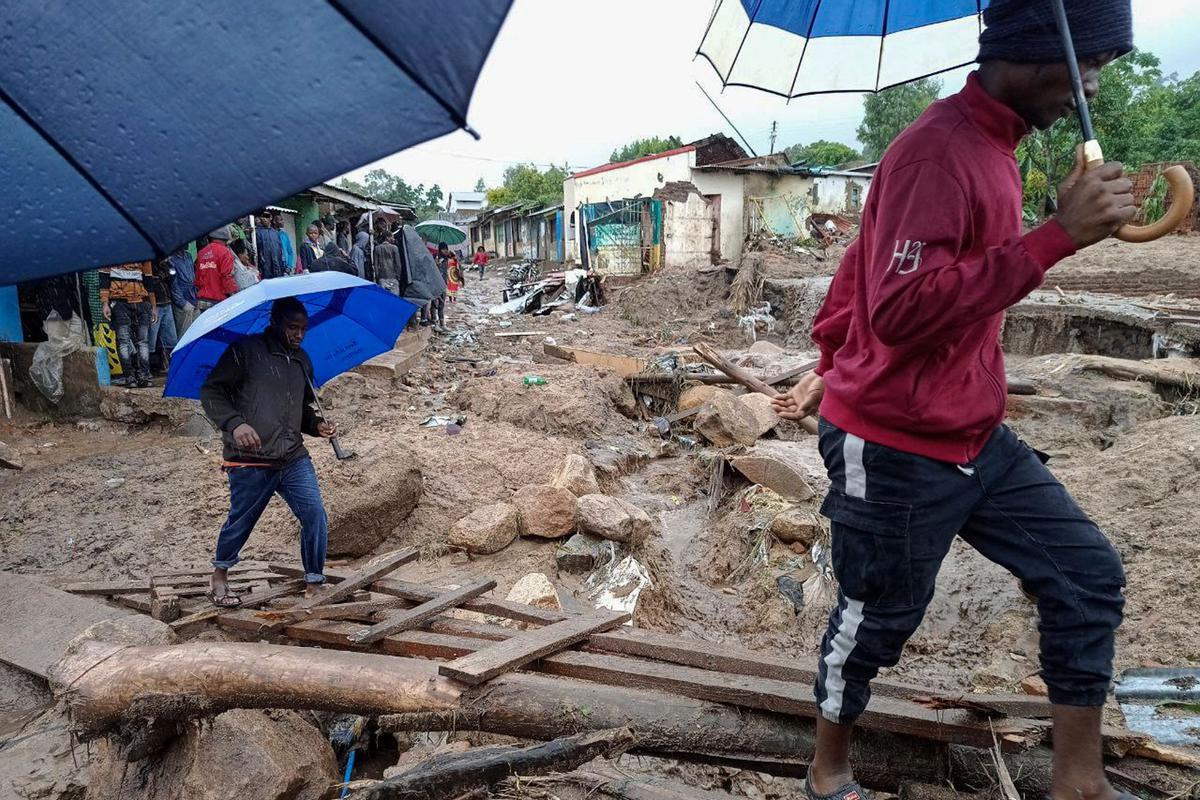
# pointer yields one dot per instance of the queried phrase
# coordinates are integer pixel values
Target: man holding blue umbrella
(911, 391)
(260, 396)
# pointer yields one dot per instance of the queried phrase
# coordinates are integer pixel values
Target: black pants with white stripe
(894, 516)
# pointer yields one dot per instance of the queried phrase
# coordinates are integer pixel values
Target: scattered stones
(726, 422)
(545, 511)
(614, 519)
(583, 552)
(796, 527)
(576, 475)
(10, 458)
(535, 589)
(486, 530)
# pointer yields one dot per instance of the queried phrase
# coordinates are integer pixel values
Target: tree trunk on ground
(111, 688)
(107, 685)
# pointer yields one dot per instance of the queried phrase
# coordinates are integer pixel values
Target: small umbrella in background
(349, 321)
(794, 49)
(130, 127)
(435, 230)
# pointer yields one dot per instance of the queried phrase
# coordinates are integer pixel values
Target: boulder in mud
(614, 519)
(725, 422)
(486, 530)
(696, 396)
(545, 511)
(583, 552)
(365, 497)
(763, 347)
(576, 475)
(759, 406)
(794, 526)
(535, 589)
(239, 755)
(10, 458)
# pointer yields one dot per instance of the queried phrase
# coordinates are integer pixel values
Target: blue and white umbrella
(349, 321)
(799, 47)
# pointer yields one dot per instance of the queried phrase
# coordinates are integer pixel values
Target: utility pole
(774, 131)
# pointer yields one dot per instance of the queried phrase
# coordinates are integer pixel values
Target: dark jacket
(183, 287)
(308, 255)
(334, 260)
(388, 265)
(270, 253)
(423, 281)
(261, 382)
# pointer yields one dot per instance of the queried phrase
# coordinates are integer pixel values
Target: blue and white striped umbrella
(798, 47)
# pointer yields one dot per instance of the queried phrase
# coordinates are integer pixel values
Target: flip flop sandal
(224, 600)
(851, 791)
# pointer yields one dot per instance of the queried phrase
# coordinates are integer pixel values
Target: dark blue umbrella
(130, 127)
(349, 321)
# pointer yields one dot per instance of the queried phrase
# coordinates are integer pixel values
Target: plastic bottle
(535, 380)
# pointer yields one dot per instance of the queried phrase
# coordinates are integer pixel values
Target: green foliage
(1155, 204)
(525, 182)
(1140, 117)
(887, 113)
(822, 153)
(480, 186)
(388, 188)
(644, 147)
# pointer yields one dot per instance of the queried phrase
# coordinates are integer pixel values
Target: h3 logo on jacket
(910, 253)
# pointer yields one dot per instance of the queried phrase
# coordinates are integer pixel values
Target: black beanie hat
(1023, 31)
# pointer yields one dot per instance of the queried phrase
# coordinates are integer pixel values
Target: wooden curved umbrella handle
(1182, 194)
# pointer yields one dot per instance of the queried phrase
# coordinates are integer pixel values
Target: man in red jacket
(214, 270)
(911, 391)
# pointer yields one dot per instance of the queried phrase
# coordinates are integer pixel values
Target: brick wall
(1143, 178)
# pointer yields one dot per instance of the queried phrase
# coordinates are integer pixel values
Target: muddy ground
(99, 499)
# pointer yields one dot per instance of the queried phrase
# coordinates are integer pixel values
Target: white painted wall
(730, 185)
(687, 232)
(833, 195)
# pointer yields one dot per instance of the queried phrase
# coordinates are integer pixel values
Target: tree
(644, 147)
(822, 153)
(381, 185)
(527, 183)
(887, 113)
(480, 186)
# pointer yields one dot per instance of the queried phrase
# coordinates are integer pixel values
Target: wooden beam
(621, 365)
(751, 382)
(501, 657)
(421, 593)
(790, 375)
(192, 580)
(248, 601)
(363, 609)
(414, 617)
(360, 579)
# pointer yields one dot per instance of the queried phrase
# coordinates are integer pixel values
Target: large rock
(759, 406)
(365, 497)
(486, 530)
(583, 552)
(774, 473)
(576, 475)
(239, 755)
(545, 511)
(696, 396)
(763, 347)
(10, 458)
(796, 526)
(726, 422)
(535, 589)
(614, 519)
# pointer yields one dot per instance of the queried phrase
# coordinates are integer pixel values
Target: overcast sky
(568, 81)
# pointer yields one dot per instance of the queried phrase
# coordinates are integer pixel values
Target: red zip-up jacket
(214, 272)
(910, 330)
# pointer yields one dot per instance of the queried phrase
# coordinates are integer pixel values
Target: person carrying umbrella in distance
(911, 390)
(260, 396)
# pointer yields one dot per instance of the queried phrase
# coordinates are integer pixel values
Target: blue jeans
(251, 488)
(163, 336)
(894, 516)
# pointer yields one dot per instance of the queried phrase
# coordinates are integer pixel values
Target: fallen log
(1178, 372)
(452, 774)
(751, 382)
(107, 686)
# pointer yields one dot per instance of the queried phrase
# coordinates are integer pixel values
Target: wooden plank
(248, 601)
(106, 587)
(790, 375)
(883, 713)
(206, 570)
(37, 621)
(360, 579)
(621, 365)
(363, 609)
(501, 657)
(420, 593)
(414, 617)
(194, 580)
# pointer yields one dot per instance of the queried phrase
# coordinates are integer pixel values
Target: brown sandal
(226, 599)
